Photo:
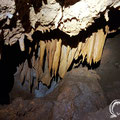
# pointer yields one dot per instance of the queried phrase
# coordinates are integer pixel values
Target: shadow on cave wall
(11, 58)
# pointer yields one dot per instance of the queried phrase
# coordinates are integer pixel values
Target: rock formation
(53, 34)
(73, 99)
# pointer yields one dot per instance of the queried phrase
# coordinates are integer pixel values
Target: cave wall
(47, 38)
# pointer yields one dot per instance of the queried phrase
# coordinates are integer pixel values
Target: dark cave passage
(11, 58)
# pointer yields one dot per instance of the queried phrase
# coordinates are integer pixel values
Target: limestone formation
(55, 33)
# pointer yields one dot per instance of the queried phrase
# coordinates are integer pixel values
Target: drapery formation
(55, 34)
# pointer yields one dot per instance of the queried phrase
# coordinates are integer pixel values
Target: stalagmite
(56, 57)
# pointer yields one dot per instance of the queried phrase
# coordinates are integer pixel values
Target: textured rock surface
(70, 17)
(82, 17)
(109, 69)
(43, 110)
(43, 30)
(52, 34)
(76, 96)
(73, 18)
(22, 109)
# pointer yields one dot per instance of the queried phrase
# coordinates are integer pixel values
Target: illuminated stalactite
(53, 34)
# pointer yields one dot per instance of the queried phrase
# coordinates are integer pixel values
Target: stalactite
(52, 49)
(63, 60)
(71, 57)
(56, 59)
(90, 48)
(77, 54)
(21, 43)
(99, 44)
(42, 52)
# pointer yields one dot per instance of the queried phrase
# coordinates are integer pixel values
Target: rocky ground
(77, 95)
(109, 69)
(82, 95)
